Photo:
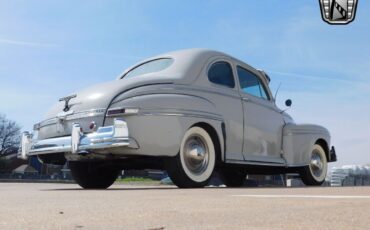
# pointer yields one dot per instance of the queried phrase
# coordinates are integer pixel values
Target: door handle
(245, 99)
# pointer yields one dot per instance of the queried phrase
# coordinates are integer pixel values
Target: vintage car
(190, 112)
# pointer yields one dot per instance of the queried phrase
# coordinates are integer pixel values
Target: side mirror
(288, 103)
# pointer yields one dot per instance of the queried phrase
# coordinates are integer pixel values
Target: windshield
(150, 67)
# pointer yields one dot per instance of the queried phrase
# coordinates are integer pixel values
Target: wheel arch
(298, 141)
(324, 144)
(215, 138)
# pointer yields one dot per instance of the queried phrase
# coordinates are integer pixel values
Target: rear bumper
(78, 143)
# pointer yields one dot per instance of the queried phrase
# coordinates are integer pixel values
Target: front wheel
(93, 175)
(315, 173)
(193, 166)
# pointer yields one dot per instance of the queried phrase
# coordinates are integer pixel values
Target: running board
(256, 163)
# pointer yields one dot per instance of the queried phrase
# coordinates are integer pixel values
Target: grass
(135, 179)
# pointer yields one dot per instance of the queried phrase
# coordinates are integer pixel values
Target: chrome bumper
(104, 138)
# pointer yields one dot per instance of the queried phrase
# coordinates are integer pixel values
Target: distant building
(350, 175)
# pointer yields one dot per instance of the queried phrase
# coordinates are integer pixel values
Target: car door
(263, 122)
(223, 90)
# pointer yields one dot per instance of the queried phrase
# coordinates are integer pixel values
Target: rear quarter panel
(163, 119)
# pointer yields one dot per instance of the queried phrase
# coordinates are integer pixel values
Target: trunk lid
(89, 105)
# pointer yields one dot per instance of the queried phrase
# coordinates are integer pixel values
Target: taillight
(92, 125)
(122, 111)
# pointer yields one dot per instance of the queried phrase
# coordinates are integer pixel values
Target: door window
(251, 84)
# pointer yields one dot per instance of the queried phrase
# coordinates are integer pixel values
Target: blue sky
(49, 49)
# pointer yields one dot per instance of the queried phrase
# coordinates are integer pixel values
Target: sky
(49, 49)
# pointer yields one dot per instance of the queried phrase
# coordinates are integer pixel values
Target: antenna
(277, 91)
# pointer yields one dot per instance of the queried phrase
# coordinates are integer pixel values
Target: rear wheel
(193, 166)
(232, 177)
(93, 175)
(315, 172)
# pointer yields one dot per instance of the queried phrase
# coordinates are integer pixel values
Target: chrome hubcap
(196, 154)
(316, 164)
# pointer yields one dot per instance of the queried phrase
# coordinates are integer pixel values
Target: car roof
(188, 63)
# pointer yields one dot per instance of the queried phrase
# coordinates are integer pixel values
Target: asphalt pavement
(66, 206)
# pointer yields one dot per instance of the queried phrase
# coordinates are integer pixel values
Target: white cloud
(25, 43)
(306, 76)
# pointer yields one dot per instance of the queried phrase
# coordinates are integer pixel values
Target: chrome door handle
(245, 99)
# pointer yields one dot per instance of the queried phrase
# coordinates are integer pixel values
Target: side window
(251, 84)
(221, 73)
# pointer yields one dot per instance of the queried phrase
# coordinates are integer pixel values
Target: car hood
(100, 96)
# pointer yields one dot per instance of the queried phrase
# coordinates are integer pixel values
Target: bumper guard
(333, 154)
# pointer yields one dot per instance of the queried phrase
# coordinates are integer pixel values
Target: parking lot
(66, 206)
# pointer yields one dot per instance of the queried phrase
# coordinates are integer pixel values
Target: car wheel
(232, 177)
(315, 172)
(193, 166)
(93, 175)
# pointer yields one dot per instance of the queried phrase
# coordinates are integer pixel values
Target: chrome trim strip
(181, 115)
(172, 112)
(207, 90)
(296, 165)
(86, 113)
(255, 163)
(253, 100)
(179, 111)
(71, 116)
(303, 132)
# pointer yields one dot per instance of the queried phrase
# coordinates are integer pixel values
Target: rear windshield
(150, 67)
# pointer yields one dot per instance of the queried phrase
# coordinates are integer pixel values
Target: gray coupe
(190, 112)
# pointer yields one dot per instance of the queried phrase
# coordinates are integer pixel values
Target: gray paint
(173, 100)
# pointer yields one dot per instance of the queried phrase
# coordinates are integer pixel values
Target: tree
(9, 135)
